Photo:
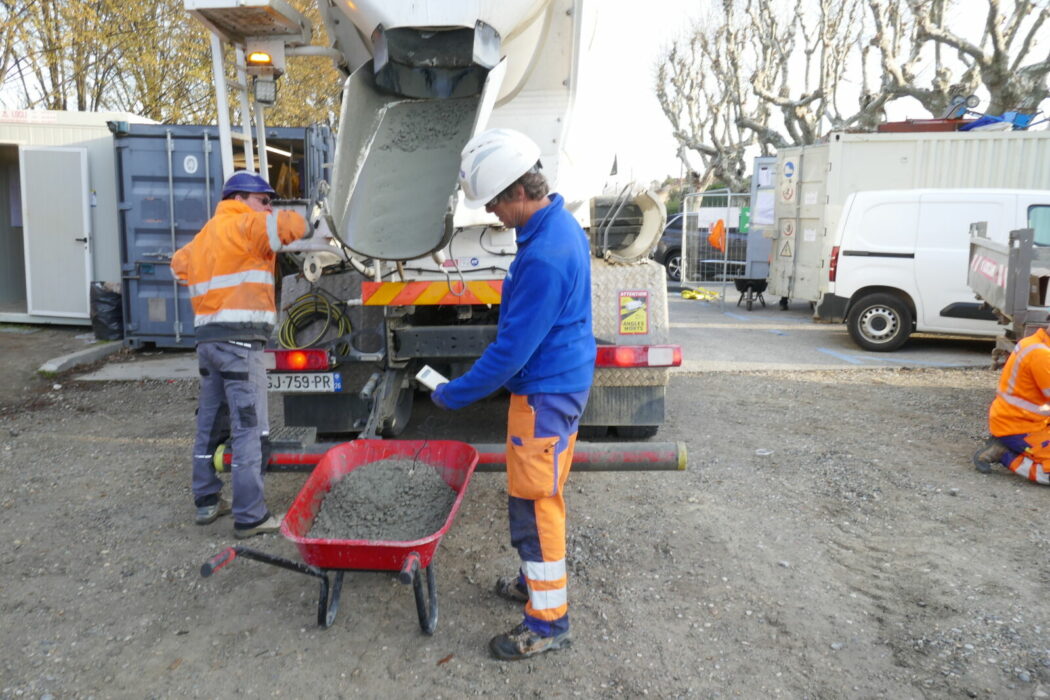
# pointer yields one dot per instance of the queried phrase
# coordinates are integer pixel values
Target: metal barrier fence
(707, 256)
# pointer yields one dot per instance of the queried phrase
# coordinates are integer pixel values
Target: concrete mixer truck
(400, 275)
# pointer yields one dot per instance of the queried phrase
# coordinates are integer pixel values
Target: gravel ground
(829, 539)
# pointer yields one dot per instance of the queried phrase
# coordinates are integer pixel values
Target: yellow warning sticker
(634, 312)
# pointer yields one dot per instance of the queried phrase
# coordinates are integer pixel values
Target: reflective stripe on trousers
(1029, 455)
(541, 437)
(233, 382)
(1030, 469)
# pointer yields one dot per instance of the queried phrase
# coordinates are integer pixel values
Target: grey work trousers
(233, 377)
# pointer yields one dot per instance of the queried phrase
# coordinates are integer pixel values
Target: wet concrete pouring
(394, 500)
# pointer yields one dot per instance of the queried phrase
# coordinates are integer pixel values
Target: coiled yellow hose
(307, 309)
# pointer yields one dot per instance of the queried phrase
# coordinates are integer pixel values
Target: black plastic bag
(107, 314)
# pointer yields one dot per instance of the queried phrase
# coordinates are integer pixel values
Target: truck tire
(636, 432)
(592, 432)
(879, 322)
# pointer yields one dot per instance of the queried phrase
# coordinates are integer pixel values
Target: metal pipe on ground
(492, 457)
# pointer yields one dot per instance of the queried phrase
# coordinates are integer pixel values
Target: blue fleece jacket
(544, 342)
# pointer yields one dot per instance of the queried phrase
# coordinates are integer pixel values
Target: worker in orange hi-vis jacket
(229, 268)
(1019, 416)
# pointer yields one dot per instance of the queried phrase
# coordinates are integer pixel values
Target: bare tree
(11, 16)
(148, 58)
(756, 76)
(706, 106)
(166, 77)
(903, 59)
(1004, 59)
(776, 75)
(63, 49)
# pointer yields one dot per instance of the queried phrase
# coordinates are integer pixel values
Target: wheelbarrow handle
(218, 561)
(409, 567)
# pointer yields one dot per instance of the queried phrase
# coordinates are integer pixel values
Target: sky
(628, 46)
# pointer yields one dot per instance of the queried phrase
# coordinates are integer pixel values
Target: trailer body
(814, 181)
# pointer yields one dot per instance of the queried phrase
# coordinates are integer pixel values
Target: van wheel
(879, 322)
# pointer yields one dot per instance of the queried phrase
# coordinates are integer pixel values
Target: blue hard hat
(244, 181)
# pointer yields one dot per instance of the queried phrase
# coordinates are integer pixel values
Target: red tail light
(638, 356)
(299, 360)
(833, 266)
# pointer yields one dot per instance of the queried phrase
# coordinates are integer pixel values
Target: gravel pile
(396, 500)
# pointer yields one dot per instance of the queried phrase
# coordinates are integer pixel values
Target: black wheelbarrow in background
(750, 291)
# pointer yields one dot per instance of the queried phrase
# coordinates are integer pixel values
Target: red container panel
(454, 461)
(913, 125)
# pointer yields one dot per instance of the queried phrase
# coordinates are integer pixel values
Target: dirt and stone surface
(829, 539)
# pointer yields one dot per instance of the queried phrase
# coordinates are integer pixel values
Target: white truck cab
(899, 260)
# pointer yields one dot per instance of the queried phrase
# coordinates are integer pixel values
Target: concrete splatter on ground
(394, 499)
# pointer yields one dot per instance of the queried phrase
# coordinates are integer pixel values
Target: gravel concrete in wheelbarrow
(395, 500)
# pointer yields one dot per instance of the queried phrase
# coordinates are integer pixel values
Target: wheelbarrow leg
(328, 607)
(428, 614)
(426, 605)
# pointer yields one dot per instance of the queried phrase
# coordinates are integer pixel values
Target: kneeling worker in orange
(1019, 416)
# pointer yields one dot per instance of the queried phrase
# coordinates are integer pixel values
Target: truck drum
(879, 322)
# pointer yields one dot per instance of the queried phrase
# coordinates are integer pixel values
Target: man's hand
(438, 396)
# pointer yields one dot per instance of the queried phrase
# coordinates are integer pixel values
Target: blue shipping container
(169, 182)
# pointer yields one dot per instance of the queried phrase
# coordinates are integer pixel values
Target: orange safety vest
(228, 266)
(1022, 403)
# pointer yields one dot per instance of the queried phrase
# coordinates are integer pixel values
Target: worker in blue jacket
(544, 355)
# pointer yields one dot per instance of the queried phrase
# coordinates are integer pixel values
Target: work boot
(270, 524)
(521, 643)
(989, 455)
(207, 514)
(511, 588)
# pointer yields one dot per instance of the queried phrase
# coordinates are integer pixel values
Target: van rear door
(877, 242)
(945, 303)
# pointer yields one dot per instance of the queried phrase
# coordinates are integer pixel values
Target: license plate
(311, 382)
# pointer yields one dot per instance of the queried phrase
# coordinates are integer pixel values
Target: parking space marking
(841, 356)
(760, 326)
(859, 360)
(918, 362)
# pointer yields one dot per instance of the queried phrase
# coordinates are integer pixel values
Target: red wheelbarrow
(454, 461)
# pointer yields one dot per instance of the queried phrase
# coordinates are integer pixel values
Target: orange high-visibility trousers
(1029, 455)
(541, 437)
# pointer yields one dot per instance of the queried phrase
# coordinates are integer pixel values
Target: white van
(899, 260)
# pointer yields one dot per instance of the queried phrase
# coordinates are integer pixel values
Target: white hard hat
(491, 161)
